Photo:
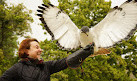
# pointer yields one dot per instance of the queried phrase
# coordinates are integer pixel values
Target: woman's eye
(37, 47)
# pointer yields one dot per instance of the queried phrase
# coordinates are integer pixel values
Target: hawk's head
(85, 30)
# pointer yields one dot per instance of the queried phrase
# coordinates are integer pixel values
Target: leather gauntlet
(75, 60)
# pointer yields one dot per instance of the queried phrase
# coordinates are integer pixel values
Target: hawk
(119, 24)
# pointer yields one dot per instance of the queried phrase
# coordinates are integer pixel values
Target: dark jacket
(27, 71)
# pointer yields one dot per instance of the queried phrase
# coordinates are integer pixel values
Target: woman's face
(35, 50)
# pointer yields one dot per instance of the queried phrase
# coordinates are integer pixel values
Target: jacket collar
(31, 61)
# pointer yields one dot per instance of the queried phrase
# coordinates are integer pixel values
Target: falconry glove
(75, 60)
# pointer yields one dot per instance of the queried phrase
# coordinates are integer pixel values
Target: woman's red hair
(24, 46)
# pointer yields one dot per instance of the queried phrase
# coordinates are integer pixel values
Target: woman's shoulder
(17, 65)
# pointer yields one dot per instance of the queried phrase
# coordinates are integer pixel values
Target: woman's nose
(40, 50)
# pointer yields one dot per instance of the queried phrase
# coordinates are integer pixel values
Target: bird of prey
(119, 24)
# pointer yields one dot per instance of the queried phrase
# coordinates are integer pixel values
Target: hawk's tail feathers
(101, 51)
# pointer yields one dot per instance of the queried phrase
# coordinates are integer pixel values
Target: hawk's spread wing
(120, 23)
(59, 26)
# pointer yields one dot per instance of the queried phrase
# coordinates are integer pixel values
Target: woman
(32, 68)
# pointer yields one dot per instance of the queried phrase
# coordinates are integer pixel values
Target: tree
(1, 57)
(14, 22)
(99, 68)
(128, 49)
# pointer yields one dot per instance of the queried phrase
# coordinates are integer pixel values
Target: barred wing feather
(59, 26)
(119, 23)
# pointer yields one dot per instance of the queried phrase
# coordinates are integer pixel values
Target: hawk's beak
(85, 33)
